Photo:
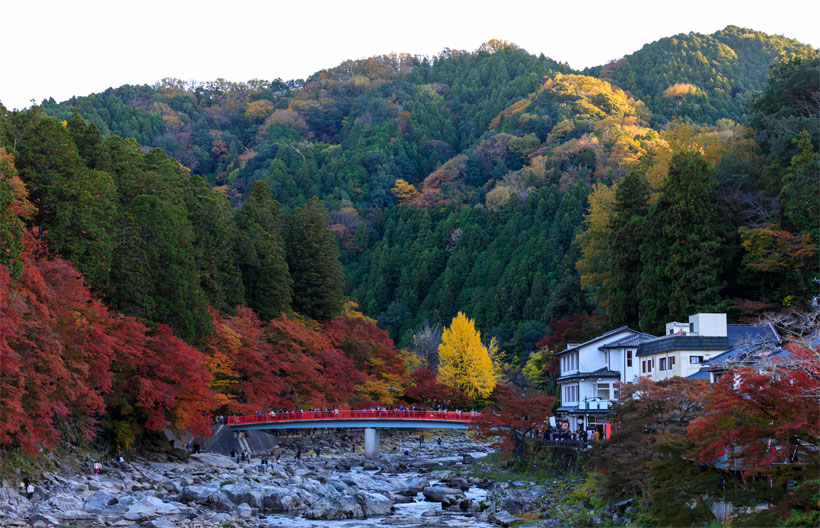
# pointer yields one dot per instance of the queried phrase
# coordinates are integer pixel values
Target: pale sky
(64, 48)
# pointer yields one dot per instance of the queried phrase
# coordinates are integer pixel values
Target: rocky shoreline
(210, 490)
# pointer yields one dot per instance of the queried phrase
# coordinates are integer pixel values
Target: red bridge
(370, 420)
(310, 419)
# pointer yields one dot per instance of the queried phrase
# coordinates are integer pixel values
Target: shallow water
(408, 514)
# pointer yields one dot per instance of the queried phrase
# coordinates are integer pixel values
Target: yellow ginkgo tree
(464, 362)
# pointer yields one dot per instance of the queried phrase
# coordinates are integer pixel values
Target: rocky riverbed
(411, 486)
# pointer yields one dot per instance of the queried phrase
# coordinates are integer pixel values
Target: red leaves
(243, 364)
(518, 416)
(315, 373)
(54, 359)
(765, 416)
(66, 358)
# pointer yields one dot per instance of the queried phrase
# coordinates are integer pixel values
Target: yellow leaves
(404, 192)
(772, 250)
(594, 264)
(464, 362)
(499, 196)
(288, 118)
(518, 106)
(350, 311)
(259, 110)
(172, 122)
(679, 90)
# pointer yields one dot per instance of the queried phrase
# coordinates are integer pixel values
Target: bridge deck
(354, 419)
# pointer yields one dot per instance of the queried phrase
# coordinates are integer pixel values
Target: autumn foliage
(760, 419)
(519, 416)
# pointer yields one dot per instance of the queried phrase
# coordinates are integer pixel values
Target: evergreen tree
(627, 228)
(313, 260)
(155, 275)
(681, 253)
(75, 205)
(260, 253)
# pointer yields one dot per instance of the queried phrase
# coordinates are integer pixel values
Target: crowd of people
(562, 434)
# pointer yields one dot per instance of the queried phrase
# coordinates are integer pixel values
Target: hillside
(462, 181)
(700, 77)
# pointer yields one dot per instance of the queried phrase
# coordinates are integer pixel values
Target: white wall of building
(709, 324)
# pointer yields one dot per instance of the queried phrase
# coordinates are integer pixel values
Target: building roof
(630, 341)
(736, 335)
(812, 339)
(701, 374)
(600, 373)
(746, 354)
(602, 336)
(681, 342)
(740, 334)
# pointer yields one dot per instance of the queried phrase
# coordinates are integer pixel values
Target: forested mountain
(700, 77)
(486, 181)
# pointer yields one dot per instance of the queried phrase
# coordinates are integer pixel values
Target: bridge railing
(352, 414)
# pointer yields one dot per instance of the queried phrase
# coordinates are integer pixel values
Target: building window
(603, 391)
(570, 393)
(695, 359)
(671, 362)
(662, 364)
(628, 358)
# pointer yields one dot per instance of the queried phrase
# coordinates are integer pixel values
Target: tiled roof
(600, 373)
(630, 341)
(741, 334)
(602, 336)
(701, 374)
(681, 342)
(813, 339)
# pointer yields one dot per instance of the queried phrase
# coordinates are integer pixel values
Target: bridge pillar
(371, 442)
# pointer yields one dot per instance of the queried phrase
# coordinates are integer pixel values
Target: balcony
(595, 405)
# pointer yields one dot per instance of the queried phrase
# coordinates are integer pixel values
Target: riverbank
(451, 483)
(209, 489)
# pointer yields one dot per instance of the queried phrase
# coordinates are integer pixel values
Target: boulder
(102, 501)
(41, 519)
(504, 518)
(213, 460)
(438, 493)
(239, 493)
(161, 523)
(150, 508)
(197, 494)
(458, 482)
(374, 503)
(244, 511)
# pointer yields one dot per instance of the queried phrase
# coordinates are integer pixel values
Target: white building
(590, 373)
(685, 347)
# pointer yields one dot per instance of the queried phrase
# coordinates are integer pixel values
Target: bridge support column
(371, 442)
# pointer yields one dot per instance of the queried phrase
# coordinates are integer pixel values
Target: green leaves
(313, 258)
